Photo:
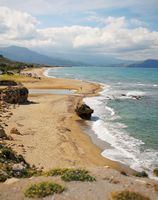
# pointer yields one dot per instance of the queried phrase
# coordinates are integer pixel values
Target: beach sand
(51, 135)
(50, 132)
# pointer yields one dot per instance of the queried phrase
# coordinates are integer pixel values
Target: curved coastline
(84, 126)
(109, 146)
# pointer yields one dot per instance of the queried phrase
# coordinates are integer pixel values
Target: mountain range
(150, 63)
(22, 54)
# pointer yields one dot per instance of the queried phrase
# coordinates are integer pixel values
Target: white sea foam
(135, 93)
(46, 73)
(124, 148)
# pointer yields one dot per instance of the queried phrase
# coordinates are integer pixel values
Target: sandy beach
(50, 132)
(52, 135)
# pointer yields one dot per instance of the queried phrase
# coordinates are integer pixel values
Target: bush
(77, 175)
(127, 195)
(43, 189)
(56, 172)
(3, 176)
(142, 174)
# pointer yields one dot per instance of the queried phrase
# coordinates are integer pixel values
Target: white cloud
(113, 38)
(16, 25)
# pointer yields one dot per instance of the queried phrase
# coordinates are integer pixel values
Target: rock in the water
(15, 95)
(84, 111)
(155, 172)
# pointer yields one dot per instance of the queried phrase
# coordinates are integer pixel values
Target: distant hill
(150, 63)
(4, 60)
(22, 54)
(7, 64)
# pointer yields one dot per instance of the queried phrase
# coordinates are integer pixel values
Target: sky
(124, 29)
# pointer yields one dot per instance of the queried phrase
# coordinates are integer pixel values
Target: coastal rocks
(18, 169)
(137, 97)
(155, 172)
(15, 95)
(84, 111)
(8, 83)
(3, 135)
(15, 131)
(3, 176)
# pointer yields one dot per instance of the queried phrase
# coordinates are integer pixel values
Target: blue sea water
(129, 125)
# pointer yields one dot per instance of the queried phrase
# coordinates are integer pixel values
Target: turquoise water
(128, 124)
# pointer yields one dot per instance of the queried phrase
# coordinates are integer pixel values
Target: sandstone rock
(3, 135)
(3, 176)
(15, 131)
(15, 95)
(18, 169)
(155, 172)
(84, 111)
(11, 181)
(8, 83)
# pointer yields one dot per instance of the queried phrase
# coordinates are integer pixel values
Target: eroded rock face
(84, 111)
(18, 169)
(8, 83)
(15, 131)
(15, 95)
(3, 135)
(155, 172)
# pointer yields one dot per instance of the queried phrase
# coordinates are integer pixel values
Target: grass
(16, 78)
(43, 189)
(3, 176)
(77, 175)
(71, 174)
(142, 174)
(127, 195)
(57, 172)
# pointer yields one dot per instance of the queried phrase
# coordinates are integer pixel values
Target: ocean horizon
(125, 114)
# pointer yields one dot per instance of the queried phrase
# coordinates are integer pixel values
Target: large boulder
(15, 95)
(84, 111)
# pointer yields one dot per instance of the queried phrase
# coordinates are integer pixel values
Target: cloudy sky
(126, 29)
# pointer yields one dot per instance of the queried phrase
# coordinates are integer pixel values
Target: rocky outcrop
(8, 83)
(3, 135)
(15, 95)
(15, 131)
(18, 169)
(155, 172)
(84, 111)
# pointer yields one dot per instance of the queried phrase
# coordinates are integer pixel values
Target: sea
(125, 114)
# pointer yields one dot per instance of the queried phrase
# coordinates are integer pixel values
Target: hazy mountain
(87, 58)
(150, 63)
(22, 54)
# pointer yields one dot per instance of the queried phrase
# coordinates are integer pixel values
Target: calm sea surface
(128, 124)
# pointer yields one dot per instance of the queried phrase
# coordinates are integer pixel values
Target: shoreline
(52, 136)
(85, 127)
(106, 144)
(69, 145)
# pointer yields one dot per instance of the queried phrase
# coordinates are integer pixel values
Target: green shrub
(141, 174)
(3, 176)
(56, 172)
(127, 195)
(43, 189)
(77, 175)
